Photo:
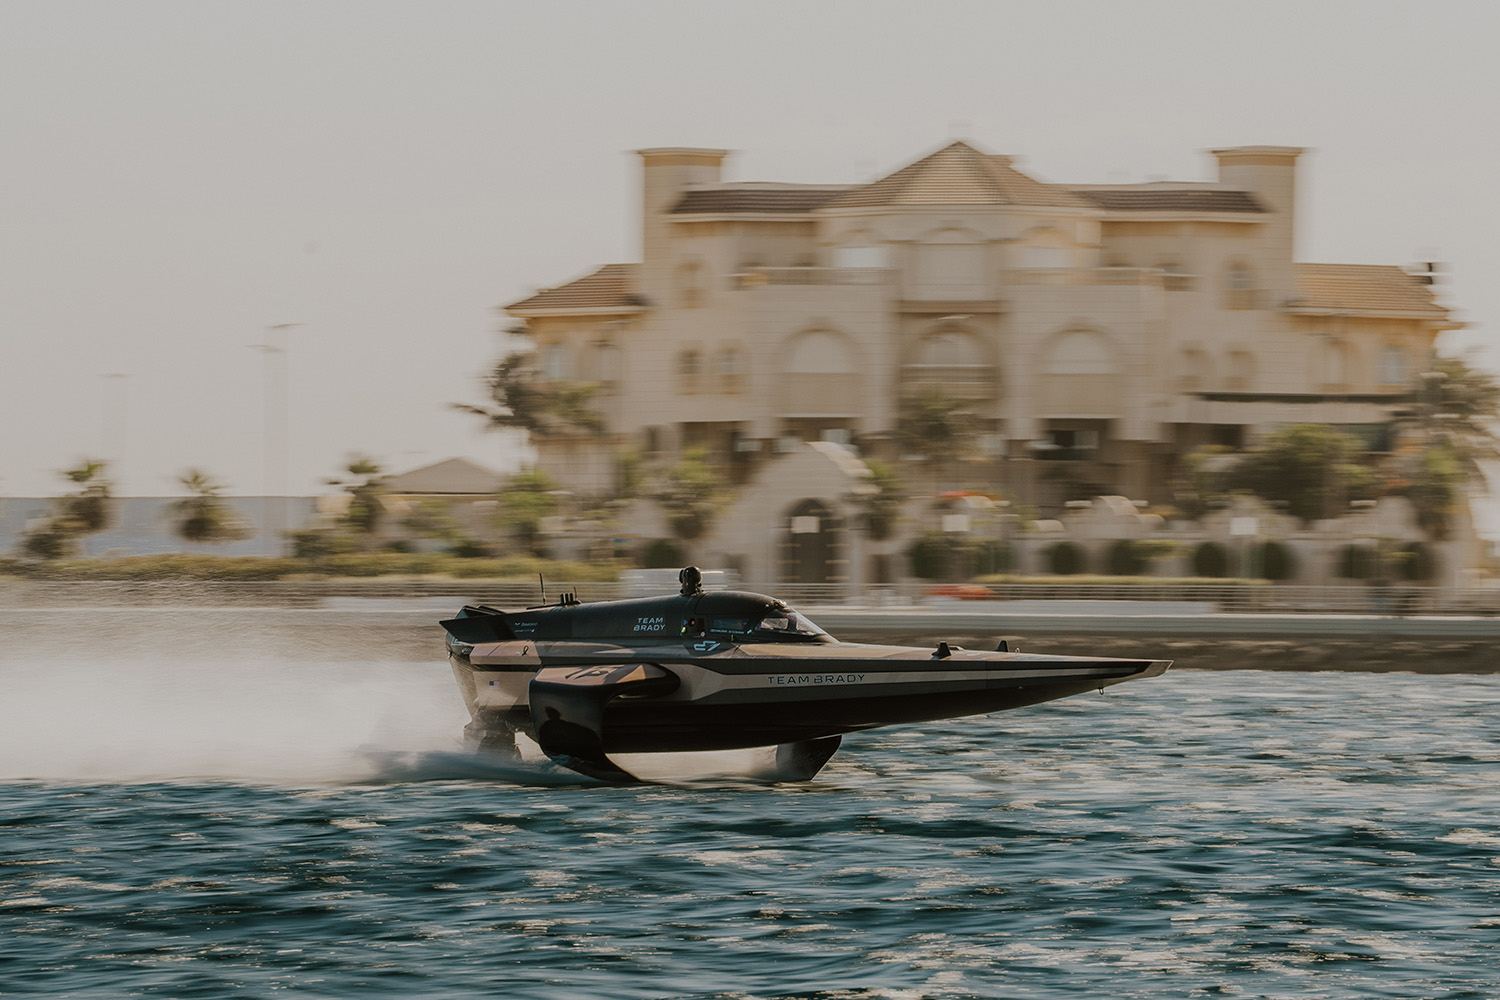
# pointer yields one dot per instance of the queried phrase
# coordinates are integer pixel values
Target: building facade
(1094, 333)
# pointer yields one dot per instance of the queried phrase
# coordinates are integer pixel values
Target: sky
(178, 177)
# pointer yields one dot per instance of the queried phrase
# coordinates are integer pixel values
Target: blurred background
(833, 293)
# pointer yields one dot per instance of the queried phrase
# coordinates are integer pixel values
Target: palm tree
(1459, 405)
(204, 518)
(74, 515)
(365, 487)
(940, 429)
(528, 499)
(690, 494)
(541, 408)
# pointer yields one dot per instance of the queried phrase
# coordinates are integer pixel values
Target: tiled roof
(610, 287)
(770, 200)
(959, 174)
(1363, 288)
(1171, 200)
(453, 476)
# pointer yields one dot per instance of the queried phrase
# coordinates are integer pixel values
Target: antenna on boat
(542, 583)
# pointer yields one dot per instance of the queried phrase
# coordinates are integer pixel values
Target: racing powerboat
(723, 670)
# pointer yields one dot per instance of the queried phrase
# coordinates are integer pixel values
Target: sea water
(183, 828)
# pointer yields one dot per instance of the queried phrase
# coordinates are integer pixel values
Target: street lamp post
(277, 443)
(115, 400)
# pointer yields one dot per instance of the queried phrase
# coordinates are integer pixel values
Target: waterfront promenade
(384, 622)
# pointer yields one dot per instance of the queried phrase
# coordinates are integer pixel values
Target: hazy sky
(175, 177)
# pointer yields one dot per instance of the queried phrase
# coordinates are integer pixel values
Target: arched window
(690, 284)
(1192, 370)
(861, 250)
(1239, 286)
(1393, 368)
(1335, 366)
(1239, 375)
(1045, 248)
(689, 369)
(555, 362)
(1174, 277)
(1080, 352)
(729, 361)
(950, 348)
(729, 368)
(819, 352)
(952, 258)
(602, 362)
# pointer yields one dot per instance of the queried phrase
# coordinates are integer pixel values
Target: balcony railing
(757, 276)
(1149, 276)
(960, 381)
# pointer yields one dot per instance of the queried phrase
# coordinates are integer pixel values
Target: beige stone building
(1098, 332)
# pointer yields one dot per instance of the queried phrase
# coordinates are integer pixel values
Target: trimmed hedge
(1065, 558)
(1418, 563)
(944, 557)
(1126, 558)
(186, 566)
(1210, 559)
(1277, 561)
(1356, 562)
(662, 554)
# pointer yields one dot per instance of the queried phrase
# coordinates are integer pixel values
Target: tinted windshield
(786, 622)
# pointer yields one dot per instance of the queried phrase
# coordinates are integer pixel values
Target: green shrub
(195, 566)
(1417, 562)
(467, 548)
(170, 566)
(1126, 558)
(318, 543)
(523, 567)
(382, 564)
(1065, 558)
(1210, 559)
(1275, 560)
(661, 554)
(946, 557)
(989, 557)
(928, 557)
(1356, 562)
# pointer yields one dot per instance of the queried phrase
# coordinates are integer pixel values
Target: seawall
(381, 631)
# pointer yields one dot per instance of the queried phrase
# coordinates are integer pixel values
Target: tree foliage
(1311, 468)
(203, 517)
(881, 506)
(365, 486)
(525, 501)
(521, 400)
(950, 557)
(1435, 486)
(691, 493)
(1465, 403)
(1210, 559)
(74, 515)
(1065, 558)
(937, 427)
(1202, 480)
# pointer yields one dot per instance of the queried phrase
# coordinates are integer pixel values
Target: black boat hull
(742, 700)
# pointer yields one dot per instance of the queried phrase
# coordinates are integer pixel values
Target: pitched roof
(1147, 199)
(959, 174)
(450, 476)
(1364, 288)
(768, 200)
(610, 287)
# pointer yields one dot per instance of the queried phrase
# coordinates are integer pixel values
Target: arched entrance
(812, 545)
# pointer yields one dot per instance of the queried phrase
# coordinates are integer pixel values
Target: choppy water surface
(308, 830)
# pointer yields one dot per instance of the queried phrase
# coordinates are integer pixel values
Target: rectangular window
(1069, 445)
(860, 257)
